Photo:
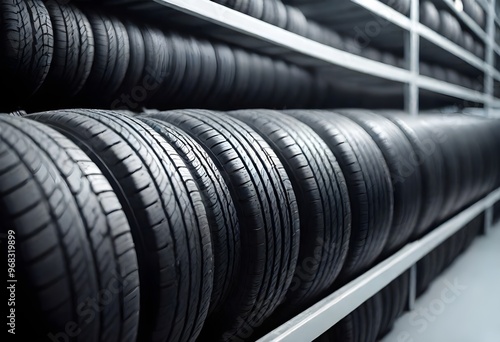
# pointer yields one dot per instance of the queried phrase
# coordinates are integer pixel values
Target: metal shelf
(320, 317)
(305, 52)
(386, 12)
(449, 89)
(302, 51)
(446, 44)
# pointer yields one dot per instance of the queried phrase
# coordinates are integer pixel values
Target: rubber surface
(165, 212)
(26, 46)
(73, 50)
(221, 211)
(406, 178)
(368, 182)
(427, 157)
(267, 212)
(323, 201)
(107, 232)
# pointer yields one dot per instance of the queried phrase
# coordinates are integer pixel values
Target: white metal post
(412, 56)
(412, 293)
(488, 220)
(489, 58)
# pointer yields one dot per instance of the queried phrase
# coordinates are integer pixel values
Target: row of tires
(451, 76)
(444, 22)
(375, 317)
(441, 21)
(57, 54)
(197, 224)
(292, 19)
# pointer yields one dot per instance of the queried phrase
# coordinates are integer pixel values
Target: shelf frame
(320, 56)
(316, 320)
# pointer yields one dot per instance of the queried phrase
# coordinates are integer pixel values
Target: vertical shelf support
(489, 58)
(412, 54)
(488, 220)
(412, 291)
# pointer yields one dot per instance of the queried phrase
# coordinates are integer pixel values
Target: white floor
(463, 304)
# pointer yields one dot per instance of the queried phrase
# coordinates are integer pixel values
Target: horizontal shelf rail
(325, 55)
(386, 12)
(443, 42)
(245, 24)
(445, 88)
(323, 315)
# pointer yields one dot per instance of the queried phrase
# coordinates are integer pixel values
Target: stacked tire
(56, 54)
(194, 224)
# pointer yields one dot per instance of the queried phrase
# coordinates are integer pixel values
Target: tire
(136, 83)
(99, 86)
(361, 325)
(19, 113)
(106, 228)
(192, 76)
(267, 213)
(226, 77)
(26, 46)
(208, 75)
(158, 65)
(394, 299)
(428, 157)
(368, 182)
(323, 201)
(122, 58)
(453, 194)
(427, 268)
(59, 274)
(73, 50)
(165, 212)
(221, 211)
(487, 145)
(406, 178)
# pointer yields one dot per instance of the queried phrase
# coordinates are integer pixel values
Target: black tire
(122, 58)
(26, 46)
(429, 15)
(208, 75)
(99, 87)
(368, 182)
(242, 81)
(268, 216)
(428, 156)
(406, 178)
(394, 302)
(181, 94)
(165, 212)
(453, 192)
(427, 268)
(221, 211)
(361, 325)
(106, 228)
(136, 83)
(59, 274)
(19, 113)
(323, 201)
(158, 64)
(226, 77)
(73, 50)
(486, 141)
